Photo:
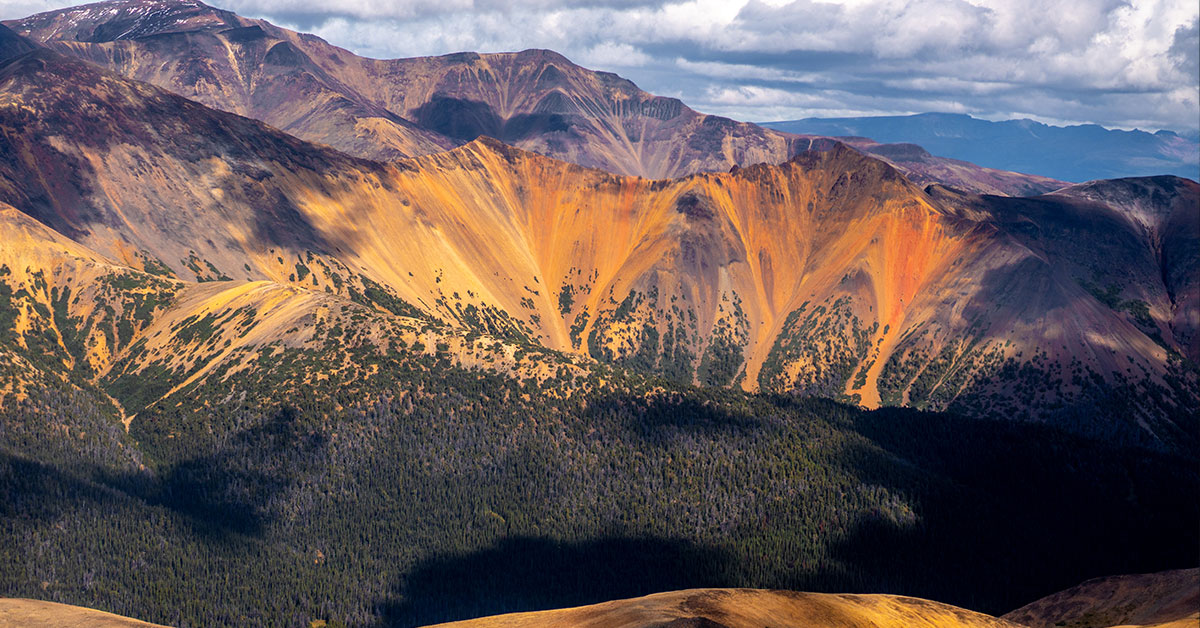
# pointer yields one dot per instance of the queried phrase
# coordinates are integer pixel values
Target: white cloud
(614, 55)
(743, 71)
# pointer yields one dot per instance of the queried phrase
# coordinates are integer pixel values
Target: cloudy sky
(1117, 63)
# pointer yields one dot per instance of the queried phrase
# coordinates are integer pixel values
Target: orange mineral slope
(830, 274)
(489, 225)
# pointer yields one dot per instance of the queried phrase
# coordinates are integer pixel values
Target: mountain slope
(746, 608)
(66, 312)
(1072, 153)
(12, 44)
(828, 275)
(923, 168)
(39, 614)
(536, 99)
(73, 319)
(1150, 223)
(1169, 599)
(247, 67)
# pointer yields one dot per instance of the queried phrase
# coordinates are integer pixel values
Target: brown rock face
(247, 67)
(389, 109)
(923, 168)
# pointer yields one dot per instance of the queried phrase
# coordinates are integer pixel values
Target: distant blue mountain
(1072, 153)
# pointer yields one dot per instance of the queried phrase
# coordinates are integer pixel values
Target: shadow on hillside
(230, 491)
(1005, 512)
(658, 420)
(986, 515)
(522, 574)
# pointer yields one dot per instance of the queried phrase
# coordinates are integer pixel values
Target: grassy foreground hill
(1161, 600)
(39, 614)
(748, 608)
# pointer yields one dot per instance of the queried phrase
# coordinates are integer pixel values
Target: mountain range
(387, 109)
(830, 274)
(1082, 152)
(409, 330)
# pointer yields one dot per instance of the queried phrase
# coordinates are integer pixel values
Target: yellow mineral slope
(748, 608)
(69, 303)
(76, 310)
(1168, 599)
(29, 243)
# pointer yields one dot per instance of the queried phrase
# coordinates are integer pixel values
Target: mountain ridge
(1071, 153)
(390, 109)
(1169, 599)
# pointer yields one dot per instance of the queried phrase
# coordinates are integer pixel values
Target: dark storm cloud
(1185, 50)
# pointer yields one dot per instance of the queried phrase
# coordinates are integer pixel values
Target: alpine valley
(290, 336)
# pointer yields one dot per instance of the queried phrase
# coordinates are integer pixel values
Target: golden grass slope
(748, 608)
(1168, 599)
(22, 613)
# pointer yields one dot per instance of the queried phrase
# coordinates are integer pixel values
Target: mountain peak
(944, 115)
(114, 20)
(489, 144)
(839, 156)
(1148, 201)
